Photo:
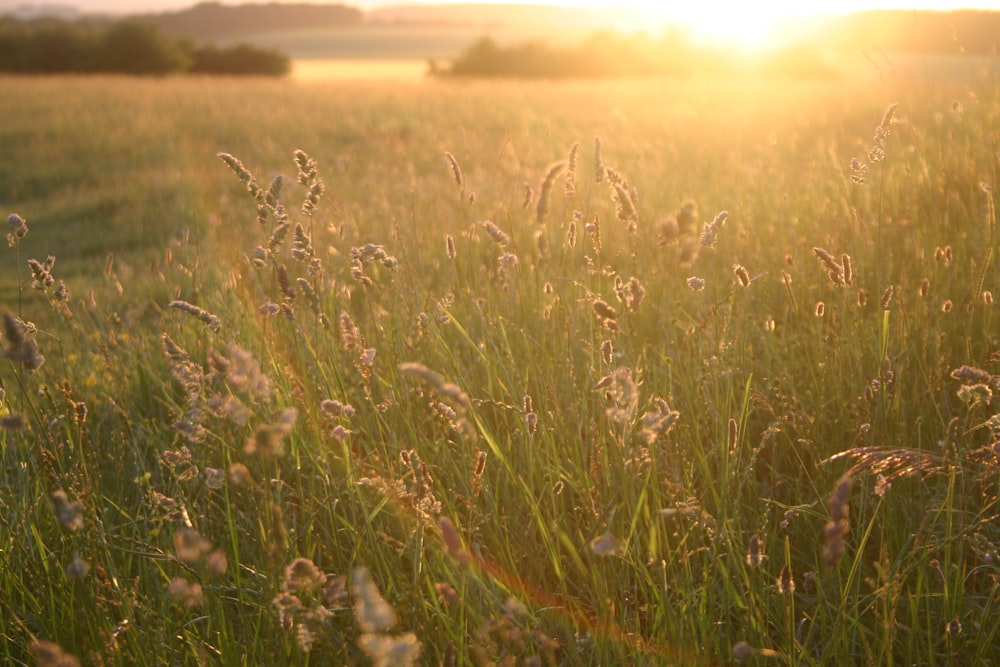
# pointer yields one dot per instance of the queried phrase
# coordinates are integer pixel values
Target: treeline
(958, 32)
(52, 46)
(607, 54)
(211, 21)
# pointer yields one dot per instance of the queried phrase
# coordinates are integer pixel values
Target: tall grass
(355, 394)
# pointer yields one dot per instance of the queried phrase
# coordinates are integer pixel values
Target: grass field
(504, 395)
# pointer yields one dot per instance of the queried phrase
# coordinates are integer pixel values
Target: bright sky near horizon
(746, 22)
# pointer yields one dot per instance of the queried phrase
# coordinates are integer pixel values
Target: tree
(133, 47)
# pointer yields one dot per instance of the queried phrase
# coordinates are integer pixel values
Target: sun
(744, 25)
(747, 25)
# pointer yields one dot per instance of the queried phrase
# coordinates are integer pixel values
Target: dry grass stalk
(542, 205)
(710, 234)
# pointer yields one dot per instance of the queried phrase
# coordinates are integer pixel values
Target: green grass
(567, 535)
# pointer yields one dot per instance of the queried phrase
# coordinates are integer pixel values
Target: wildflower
(213, 478)
(508, 260)
(302, 576)
(743, 651)
(268, 439)
(239, 475)
(186, 594)
(606, 545)
(189, 545)
(77, 569)
(975, 394)
(371, 611)
(335, 591)
(333, 408)
(446, 593)
(217, 563)
(69, 513)
(48, 654)
(17, 224)
(453, 542)
(21, 345)
(391, 651)
(971, 375)
(13, 421)
(696, 284)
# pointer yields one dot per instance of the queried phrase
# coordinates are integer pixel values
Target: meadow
(450, 372)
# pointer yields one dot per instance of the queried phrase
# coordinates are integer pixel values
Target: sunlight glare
(713, 22)
(745, 25)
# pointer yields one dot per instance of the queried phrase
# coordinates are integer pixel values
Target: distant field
(579, 372)
(358, 70)
(401, 41)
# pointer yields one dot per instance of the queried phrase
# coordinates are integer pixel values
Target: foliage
(125, 47)
(376, 401)
(608, 54)
(239, 59)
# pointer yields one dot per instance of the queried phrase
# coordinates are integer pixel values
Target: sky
(746, 22)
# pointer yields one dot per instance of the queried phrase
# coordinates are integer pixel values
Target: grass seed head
(302, 576)
(456, 172)
(755, 552)
(69, 513)
(49, 654)
(696, 284)
(391, 650)
(886, 299)
(786, 583)
(599, 168)
(542, 205)
(742, 275)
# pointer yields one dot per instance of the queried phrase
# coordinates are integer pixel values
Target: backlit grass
(462, 410)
